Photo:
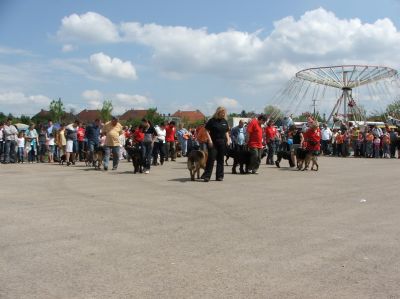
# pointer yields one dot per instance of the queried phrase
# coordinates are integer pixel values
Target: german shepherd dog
(98, 157)
(197, 160)
(135, 153)
(304, 157)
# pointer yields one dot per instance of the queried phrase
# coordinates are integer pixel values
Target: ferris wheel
(345, 84)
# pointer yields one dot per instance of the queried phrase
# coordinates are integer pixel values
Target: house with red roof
(88, 116)
(189, 117)
(133, 115)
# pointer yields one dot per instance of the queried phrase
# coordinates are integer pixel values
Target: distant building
(133, 115)
(88, 116)
(43, 114)
(189, 117)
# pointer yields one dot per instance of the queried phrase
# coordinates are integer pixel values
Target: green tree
(393, 109)
(273, 112)
(25, 119)
(57, 110)
(153, 116)
(106, 110)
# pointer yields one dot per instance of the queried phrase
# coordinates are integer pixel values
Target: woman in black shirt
(218, 138)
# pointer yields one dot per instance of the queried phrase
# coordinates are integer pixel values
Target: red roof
(190, 116)
(88, 116)
(133, 114)
(42, 114)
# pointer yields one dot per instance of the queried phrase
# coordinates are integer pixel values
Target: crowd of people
(165, 141)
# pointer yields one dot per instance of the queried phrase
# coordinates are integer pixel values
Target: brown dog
(311, 157)
(196, 160)
(98, 157)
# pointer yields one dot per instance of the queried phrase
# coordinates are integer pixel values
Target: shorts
(71, 146)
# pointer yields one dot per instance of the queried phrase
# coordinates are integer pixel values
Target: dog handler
(254, 138)
(218, 138)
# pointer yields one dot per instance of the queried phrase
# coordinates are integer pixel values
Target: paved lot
(72, 232)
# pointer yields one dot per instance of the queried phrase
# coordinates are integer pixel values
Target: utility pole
(314, 105)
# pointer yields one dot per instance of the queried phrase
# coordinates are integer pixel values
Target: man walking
(93, 137)
(270, 134)
(254, 140)
(112, 130)
(238, 136)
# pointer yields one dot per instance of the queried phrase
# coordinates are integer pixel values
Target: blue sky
(181, 54)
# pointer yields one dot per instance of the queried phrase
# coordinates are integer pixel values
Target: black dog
(286, 155)
(135, 153)
(241, 158)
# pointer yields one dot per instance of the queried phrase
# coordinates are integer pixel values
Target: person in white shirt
(10, 133)
(159, 144)
(21, 147)
(326, 136)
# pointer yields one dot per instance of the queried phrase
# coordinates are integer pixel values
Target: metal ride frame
(345, 77)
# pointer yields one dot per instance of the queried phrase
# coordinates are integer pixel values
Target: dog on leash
(134, 151)
(98, 157)
(304, 157)
(286, 155)
(313, 158)
(241, 158)
(196, 160)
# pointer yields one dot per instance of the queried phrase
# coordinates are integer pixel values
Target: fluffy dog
(135, 153)
(241, 158)
(286, 155)
(196, 160)
(230, 153)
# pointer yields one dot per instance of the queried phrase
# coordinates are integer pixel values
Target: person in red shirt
(254, 138)
(170, 130)
(312, 138)
(270, 134)
(81, 141)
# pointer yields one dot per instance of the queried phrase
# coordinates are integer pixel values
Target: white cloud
(93, 99)
(91, 27)
(68, 48)
(112, 67)
(231, 105)
(13, 51)
(318, 37)
(17, 103)
(93, 94)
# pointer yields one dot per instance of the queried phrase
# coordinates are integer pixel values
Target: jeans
(183, 143)
(217, 152)
(255, 158)
(20, 154)
(9, 151)
(81, 149)
(271, 151)
(158, 148)
(115, 152)
(92, 146)
(171, 152)
(147, 154)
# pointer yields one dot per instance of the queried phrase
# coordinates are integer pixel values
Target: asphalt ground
(74, 232)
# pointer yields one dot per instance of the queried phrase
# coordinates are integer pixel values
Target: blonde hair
(218, 111)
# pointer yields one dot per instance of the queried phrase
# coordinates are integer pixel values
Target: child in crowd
(339, 144)
(369, 151)
(377, 146)
(51, 146)
(21, 147)
(386, 145)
